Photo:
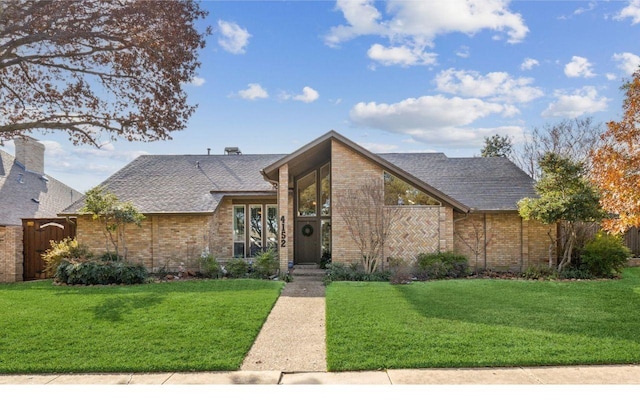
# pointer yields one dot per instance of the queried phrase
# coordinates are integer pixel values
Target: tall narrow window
(325, 190)
(272, 227)
(255, 234)
(325, 238)
(238, 231)
(307, 196)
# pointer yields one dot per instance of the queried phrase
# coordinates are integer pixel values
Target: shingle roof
(197, 183)
(487, 184)
(18, 187)
(184, 183)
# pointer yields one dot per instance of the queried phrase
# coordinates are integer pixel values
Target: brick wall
(11, 254)
(222, 230)
(415, 230)
(347, 169)
(511, 243)
(163, 241)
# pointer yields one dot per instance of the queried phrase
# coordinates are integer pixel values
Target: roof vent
(20, 178)
(44, 178)
(35, 200)
(232, 150)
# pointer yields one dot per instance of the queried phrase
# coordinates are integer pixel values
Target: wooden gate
(37, 234)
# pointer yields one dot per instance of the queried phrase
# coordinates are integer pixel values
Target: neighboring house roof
(158, 184)
(25, 194)
(480, 183)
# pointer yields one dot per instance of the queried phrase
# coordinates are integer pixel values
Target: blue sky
(395, 76)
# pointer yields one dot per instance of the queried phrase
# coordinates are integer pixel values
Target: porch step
(308, 273)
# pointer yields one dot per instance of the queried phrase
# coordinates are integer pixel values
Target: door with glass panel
(313, 216)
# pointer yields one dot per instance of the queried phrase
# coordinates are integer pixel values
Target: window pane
(272, 227)
(238, 231)
(307, 195)
(399, 192)
(325, 189)
(326, 237)
(255, 234)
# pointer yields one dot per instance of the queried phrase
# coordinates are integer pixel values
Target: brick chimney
(30, 154)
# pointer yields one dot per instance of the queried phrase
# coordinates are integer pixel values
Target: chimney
(30, 154)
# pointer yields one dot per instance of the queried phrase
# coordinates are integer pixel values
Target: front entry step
(308, 272)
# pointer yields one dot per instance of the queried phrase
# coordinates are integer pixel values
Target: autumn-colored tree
(97, 66)
(616, 164)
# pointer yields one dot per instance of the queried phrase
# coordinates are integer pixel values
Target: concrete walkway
(578, 375)
(293, 336)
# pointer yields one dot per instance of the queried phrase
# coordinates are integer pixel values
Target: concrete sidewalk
(576, 375)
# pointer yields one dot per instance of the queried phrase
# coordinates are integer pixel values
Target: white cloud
(400, 55)
(197, 81)
(463, 52)
(580, 102)
(309, 95)
(578, 67)
(253, 92)
(627, 62)
(234, 39)
(528, 64)
(611, 77)
(497, 86)
(413, 25)
(630, 11)
(430, 118)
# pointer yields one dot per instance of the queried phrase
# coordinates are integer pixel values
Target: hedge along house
(235, 205)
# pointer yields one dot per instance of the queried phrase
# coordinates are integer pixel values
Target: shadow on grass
(112, 309)
(600, 309)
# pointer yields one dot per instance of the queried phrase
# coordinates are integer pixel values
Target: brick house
(235, 205)
(25, 192)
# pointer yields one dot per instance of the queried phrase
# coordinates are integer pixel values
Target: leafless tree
(572, 138)
(368, 220)
(477, 240)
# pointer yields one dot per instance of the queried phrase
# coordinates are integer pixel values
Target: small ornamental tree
(114, 216)
(616, 164)
(368, 221)
(565, 195)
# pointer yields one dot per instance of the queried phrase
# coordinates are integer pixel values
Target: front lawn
(199, 325)
(483, 322)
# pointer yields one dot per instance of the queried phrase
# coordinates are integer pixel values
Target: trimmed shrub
(97, 272)
(67, 248)
(605, 255)
(541, 271)
(210, 267)
(441, 265)
(266, 265)
(576, 272)
(237, 268)
(353, 272)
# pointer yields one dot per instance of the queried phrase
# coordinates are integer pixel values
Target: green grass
(482, 322)
(200, 325)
